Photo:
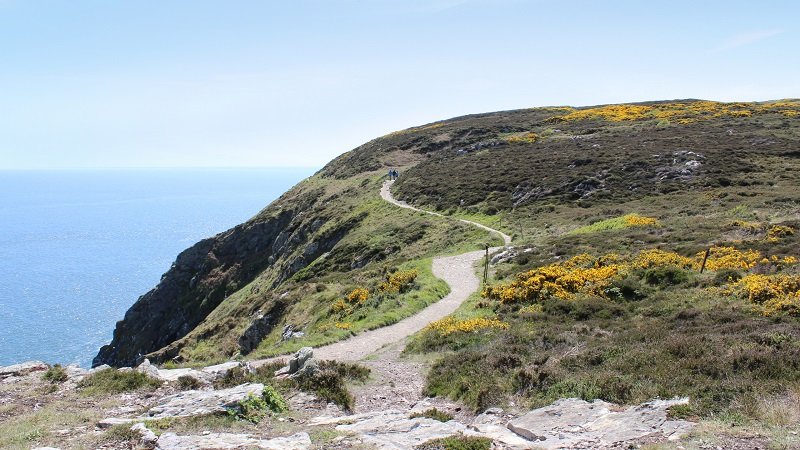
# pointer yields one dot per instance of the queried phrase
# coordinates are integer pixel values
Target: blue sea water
(77, 248)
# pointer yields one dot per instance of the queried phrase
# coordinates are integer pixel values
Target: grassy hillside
(677, 176)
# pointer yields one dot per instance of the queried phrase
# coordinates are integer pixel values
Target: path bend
(457, 271)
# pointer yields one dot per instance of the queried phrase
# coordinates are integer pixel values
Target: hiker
(391, 172)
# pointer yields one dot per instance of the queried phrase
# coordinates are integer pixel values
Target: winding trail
(398, 382)
(457, 271)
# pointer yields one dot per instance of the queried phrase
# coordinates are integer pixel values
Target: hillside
(534, 173)
(653, 271)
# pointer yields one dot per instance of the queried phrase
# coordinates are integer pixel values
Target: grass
(434, 414)
(112, 381)
(457, 443)
(55, 374)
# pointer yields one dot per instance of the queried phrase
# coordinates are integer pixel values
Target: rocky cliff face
(205, 274)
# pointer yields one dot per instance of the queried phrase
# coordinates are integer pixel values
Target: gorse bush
(599, 277)
(398, 281)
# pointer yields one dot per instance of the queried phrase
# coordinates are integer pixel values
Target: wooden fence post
(705, 258)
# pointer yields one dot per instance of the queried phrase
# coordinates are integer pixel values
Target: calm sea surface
(77, 248)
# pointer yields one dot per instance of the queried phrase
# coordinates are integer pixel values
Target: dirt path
(457, 271)
(398, 382)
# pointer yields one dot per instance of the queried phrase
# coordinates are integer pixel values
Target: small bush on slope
(112, 381)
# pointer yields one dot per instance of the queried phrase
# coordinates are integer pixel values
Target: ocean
(78, 247)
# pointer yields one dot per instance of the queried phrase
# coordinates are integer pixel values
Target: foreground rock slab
(196, 403)
(393, 429)
(21, 369)
(220, 441)
(573, 423)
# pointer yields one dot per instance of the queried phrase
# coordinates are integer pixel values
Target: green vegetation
(112, 381)
(457, 443)
(55, 374)
(434, 414)
(253, 409)
(329, 382)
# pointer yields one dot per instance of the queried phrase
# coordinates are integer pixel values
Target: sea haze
(77, 248)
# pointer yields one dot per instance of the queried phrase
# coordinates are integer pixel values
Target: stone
(145, 434)
(75, 373)
(296, 362)
(196, 402)
(114, 421)
(219, 370)
(309, 368)
(172, 375)
(493, 424)
(577, 423)
(21, 369)
(220, 441)
(392, 429)
(148, 369)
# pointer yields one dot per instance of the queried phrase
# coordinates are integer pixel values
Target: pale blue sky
(295, 83)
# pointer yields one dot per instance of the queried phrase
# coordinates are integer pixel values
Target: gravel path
(457, 271)
(397, 382)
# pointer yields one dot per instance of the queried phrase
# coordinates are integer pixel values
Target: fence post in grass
(705, 258)
(486, 266)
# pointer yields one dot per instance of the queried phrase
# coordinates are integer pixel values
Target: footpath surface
(457, 271)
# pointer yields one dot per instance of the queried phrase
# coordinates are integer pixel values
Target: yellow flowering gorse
(450, 325)
(398, 281)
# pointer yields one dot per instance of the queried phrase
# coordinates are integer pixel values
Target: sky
(107, 84)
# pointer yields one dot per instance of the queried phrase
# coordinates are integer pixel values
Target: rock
(125, 369)
(577, 423)
(220, 370)
(296, 362)
(99, 368)
(75, 373)
(172, 375)
(18, 370)
(217, 441)
(148, 369)
(309, 368)
(259, 328)
(147, 436)
(196, 403)
(114, 421)
(493, 424)
(392, 429)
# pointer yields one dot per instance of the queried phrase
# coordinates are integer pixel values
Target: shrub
(434, 414)
(253, 409)
(329, 386)
(112, 381)
(55, 374)
(665, 276)
(187, 383)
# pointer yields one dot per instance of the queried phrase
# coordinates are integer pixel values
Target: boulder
(146, 435)
(297, 361)
(310, 367)
(575, 423)
(172, 375)
(21, 369)
(148, 369)
(392, 429)
(114, 421)
(218, 441)
(196, 403)
(492, 424)
(220, 370)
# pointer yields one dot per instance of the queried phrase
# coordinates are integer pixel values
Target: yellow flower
(450, 325)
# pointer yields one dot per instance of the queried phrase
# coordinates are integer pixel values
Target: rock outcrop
(206, 273)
